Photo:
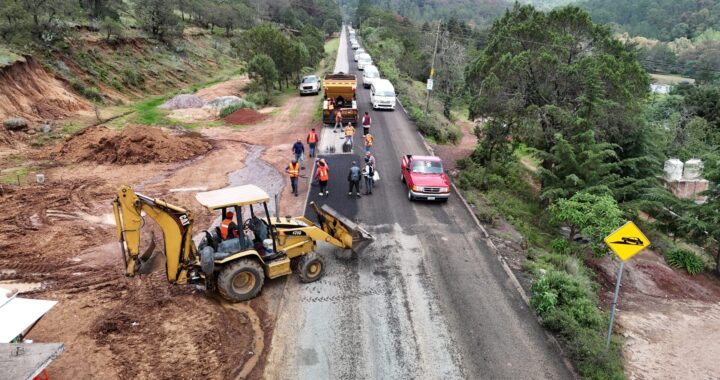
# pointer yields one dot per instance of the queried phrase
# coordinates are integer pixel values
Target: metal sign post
(614, 304)
(626, 242)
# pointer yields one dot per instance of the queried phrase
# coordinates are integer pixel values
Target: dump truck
(339, 96)
(236, 267)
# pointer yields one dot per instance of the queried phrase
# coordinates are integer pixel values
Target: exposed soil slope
(134, 145)
(27, 90)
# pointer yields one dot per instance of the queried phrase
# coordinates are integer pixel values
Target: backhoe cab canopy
(232, 196)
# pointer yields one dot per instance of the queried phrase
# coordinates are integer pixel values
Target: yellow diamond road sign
(627, 240)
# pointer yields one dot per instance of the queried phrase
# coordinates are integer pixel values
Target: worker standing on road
(349, 132)
(354, 179)
(370, 159)
(228, 225)
(323, 175)
(294, 171)
(312, 140)
(338, 121)
(368, 173)
(366, 123)
(299, 149)
(368, 142)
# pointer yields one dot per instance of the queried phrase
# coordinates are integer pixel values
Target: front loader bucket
(341, 228)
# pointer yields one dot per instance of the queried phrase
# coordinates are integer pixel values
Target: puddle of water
(258, 172)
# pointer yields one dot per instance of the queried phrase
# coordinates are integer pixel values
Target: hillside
(664, 20)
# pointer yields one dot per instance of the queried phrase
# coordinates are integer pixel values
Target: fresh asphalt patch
(339, 167)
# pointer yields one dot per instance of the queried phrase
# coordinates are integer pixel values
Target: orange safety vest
(312, 138)
(323, 173)
(224, 229)
(368, 139)
(294, 170)
(349, 131)
(338, 116)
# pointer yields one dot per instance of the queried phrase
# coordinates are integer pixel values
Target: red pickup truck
(425, 178)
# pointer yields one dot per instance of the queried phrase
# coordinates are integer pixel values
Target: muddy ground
(61, 235)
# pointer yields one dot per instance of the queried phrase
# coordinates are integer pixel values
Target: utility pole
(432, 70)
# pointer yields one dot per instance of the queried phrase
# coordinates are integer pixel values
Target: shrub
(259, 98)
(684, 259)
(132, 78)
(234, 107)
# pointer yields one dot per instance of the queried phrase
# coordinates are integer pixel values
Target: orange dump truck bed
(340, 97)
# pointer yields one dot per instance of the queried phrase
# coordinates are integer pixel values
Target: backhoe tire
(241, 280)
(311, 267)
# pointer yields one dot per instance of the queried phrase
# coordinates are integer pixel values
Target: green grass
(147, 112)
(670, 79)
(331, 47)
(10, 176)
(7, 57)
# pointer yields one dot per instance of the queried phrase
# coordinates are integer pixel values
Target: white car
(355, 45)
(370, 73)
(310, 84)
(364, 60)
(358, 52)
(382, 94)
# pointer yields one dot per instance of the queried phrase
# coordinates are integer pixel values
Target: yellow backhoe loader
(237, 267)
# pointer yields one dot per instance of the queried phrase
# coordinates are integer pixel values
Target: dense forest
(663, 20)
(28, 23)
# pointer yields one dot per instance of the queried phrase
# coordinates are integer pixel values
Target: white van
(382, 94)
(370, 73)
(364, 60)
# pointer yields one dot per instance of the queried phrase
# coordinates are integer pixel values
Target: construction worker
(338, 121)
(312, 140)
(331, 109)
(369, 174)
(299, 149)
(368, 142)
(228, 225)
(294, 171)
(323, 175)
(366, 123)
(354, 179)
(370, 159)
(349, 132)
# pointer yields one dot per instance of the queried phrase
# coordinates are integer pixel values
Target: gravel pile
(183, 101)
(223, 101)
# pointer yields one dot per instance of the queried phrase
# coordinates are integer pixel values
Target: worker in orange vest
(228, 225)
(349, 132)
(312, 140)
(294, 171)
(368, 142)
(323, 175)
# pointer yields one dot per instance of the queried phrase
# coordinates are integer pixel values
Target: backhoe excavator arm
(175, 223)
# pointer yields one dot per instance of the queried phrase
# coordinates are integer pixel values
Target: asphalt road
(427, 299)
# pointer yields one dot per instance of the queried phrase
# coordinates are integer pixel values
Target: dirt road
(426, 300)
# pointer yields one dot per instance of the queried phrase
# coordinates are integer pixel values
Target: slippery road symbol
(629, 241)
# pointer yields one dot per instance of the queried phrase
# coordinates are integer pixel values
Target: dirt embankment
(134, 145)
(27, 90)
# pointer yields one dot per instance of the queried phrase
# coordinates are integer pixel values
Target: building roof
(232, 196)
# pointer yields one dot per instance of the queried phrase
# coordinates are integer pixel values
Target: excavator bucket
(341, 228)
(146, 260)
